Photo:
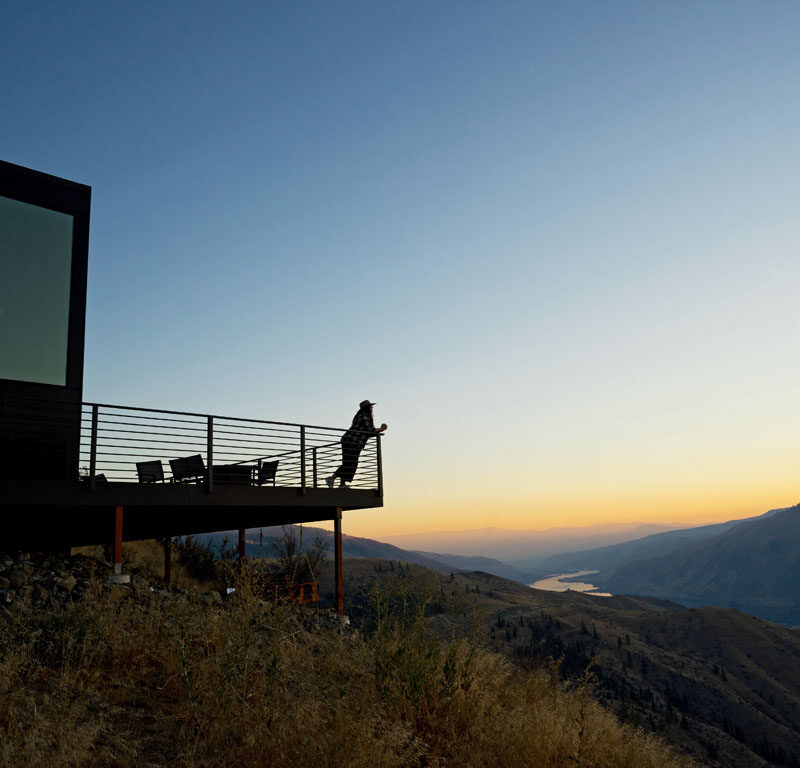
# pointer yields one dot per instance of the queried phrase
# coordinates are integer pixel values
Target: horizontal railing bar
(121, 433)
(149, 427)
(155, 440)
(277, 439)
(270, 428)
(117, 431)
(106, 415)
(190, 438)
(222, 418)
(156, 457)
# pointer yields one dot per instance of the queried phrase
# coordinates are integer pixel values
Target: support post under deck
(242, 555)
(337, 556)
(116, 545)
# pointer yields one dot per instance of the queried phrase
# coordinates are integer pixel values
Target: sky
(557, 242)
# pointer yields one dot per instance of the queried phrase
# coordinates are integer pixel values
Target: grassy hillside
(144, 676)
(717, 682)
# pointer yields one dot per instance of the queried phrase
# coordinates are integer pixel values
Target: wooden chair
(188, 469)
(150, 471)
(267, 471)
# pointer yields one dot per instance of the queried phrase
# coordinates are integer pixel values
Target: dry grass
(163, 680)
(146, 557)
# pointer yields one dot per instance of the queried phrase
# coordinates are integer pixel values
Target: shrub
(300, 561)
(197, 557)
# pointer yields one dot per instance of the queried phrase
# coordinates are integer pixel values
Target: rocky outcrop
(42, 580)
(46, 579)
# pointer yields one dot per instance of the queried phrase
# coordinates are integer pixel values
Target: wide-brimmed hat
(365, 404)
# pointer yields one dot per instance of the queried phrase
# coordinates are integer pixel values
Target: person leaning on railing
(353, 442)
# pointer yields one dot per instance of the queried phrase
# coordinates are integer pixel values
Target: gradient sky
(557, 242)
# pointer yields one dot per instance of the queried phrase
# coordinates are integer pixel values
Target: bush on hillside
(300, 560)
(196, 556)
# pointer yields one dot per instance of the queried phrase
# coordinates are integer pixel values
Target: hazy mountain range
(258, 544)
(606, 559)
(751, 564)
(526, 549)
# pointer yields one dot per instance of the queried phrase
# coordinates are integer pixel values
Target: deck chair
(267, 471)
(98, 480)
(150, 471)
(188, 469)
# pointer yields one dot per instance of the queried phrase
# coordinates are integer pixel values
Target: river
(558, 583)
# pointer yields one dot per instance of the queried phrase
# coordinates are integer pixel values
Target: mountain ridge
(604, 558)
(753, 566)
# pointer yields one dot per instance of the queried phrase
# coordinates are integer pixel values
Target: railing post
(314, 463)
(379, 459)
(210, 456)
(302, 460)
(93, 450)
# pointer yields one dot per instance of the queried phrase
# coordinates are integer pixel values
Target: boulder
(17, 578)
(69, 582)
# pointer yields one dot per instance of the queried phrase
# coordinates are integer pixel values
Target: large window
(35, 272)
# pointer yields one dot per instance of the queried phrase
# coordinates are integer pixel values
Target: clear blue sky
(557, 242)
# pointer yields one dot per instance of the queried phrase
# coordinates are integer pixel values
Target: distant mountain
(753, 565)
(525, 549)
(485, 564)
(258, 544)
(609, 558)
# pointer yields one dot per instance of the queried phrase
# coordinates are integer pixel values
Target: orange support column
(337, 557)
(116, 546)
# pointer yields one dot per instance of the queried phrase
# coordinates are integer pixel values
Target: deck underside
(70, 515)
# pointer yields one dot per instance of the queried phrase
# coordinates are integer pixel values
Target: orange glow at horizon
(405, 516)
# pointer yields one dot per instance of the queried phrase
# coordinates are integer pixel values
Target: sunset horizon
(557, 245)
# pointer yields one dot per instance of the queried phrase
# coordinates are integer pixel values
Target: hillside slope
(754, 566)
(716, 682)
(145, 676)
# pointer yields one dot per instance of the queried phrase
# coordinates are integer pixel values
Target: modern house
(75, 473)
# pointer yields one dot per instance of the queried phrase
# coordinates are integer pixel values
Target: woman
(353, 442)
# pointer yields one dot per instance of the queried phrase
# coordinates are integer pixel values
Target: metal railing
(114, 438)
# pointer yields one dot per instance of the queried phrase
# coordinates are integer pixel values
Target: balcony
(172, 472)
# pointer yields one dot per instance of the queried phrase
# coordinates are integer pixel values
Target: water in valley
(559, 583)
